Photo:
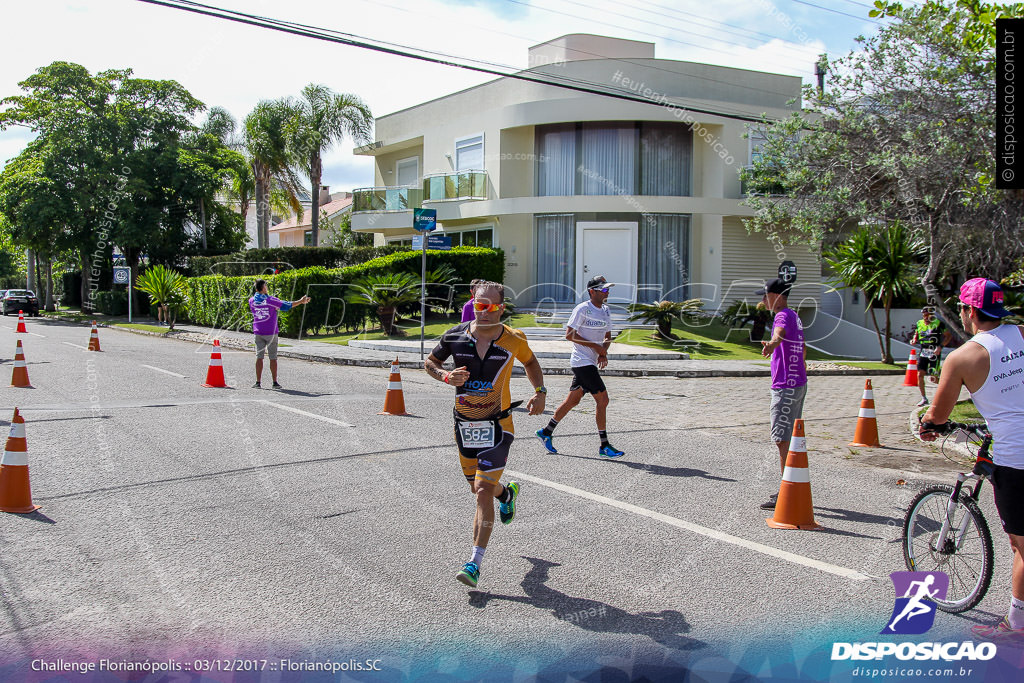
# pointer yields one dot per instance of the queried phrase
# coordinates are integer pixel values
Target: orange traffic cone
(910, 379)
(215, 373)
(394, 401)
(94, 338)
(21, 323)
(15, 492)
(794, 509)
(19, 378)
(866, 433)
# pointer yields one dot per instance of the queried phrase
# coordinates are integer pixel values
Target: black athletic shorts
(1008, 484)
(587, 378)
(925, 365)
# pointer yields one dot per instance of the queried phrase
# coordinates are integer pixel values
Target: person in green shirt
(931, 335)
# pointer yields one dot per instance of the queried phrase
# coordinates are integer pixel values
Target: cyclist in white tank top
(991, 366)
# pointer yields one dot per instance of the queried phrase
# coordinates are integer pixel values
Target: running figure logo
(914, 612)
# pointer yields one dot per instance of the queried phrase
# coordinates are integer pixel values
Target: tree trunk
(874, 321)
(315, 175)
(202, 217)
(261, 206)
(387, 318)
(87, 303)
(945, 313)
(131, 255)
(30, 269)
(887, 355)
(49, 286)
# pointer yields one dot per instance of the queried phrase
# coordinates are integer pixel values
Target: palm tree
(662, 313)
(166, 287)
(324, 118)
(883, 262)
(385, 292)
(272, 158)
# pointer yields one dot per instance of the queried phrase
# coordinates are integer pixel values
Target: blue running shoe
(546, 440)
(610, 451)
(469, 575)
(507, 511)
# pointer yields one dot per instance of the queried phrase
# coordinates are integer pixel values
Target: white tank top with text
(1001, 398)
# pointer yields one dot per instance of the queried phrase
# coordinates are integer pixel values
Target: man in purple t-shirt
(467, 308)
(789, 370)
(264, 325)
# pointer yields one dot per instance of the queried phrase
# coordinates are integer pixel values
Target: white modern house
(298, 232)
(572, 184)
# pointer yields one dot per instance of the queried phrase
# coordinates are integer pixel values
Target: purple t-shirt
(264, 313)
(467, 312)
(788, 357)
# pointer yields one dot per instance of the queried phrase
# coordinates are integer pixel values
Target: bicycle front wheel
(968, 566)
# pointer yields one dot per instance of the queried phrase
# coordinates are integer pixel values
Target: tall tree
(903, 132)
(324, 119)
(272, 158)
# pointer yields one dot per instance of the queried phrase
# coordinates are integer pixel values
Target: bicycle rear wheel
(969, 567)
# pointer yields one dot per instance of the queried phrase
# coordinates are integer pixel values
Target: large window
(663, 257)
(478, 237)
(469, 153)
(407, 172)
(554, 243)
(614, 158)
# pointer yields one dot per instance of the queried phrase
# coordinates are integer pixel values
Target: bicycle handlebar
(979, 428)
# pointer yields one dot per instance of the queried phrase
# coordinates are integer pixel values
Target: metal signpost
(423, 221)
(123, 276)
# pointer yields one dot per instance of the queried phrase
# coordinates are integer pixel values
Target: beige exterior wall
(507, 111)
(749, 260)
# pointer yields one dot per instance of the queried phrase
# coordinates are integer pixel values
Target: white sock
(478, 555)
(1016, 617)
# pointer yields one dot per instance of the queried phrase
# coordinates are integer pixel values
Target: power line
(357, 41)
(834, 11)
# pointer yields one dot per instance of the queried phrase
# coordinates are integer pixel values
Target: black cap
(776, 286)
(598, 283)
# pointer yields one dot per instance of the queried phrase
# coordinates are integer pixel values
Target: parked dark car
(20, 300)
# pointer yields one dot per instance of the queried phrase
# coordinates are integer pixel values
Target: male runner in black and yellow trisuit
(483, 351)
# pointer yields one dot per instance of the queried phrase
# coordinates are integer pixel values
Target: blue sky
(235, 66)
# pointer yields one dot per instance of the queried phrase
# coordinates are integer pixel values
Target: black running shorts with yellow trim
(484, 464)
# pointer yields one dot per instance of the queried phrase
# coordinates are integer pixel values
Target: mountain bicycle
(945, 530)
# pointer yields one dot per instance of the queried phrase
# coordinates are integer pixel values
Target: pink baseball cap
(985, 295)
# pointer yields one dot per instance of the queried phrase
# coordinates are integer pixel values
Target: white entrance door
(608, 249)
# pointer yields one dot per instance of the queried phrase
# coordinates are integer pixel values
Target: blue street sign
(121, 275)
(442, 242)
(424, 220)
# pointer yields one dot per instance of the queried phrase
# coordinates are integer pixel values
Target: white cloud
(234, 66)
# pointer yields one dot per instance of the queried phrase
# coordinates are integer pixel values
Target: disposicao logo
(914, 612)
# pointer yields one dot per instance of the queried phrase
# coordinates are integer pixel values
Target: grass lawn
(436, 326)
(964, 411)
(146, 328)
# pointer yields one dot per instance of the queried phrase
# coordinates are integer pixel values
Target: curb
(517, 371)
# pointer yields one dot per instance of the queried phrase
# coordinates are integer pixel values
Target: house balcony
(390, 208)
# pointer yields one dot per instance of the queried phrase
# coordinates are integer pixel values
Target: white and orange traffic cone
(94, 338)
(15, 491)
(19, 378)
(215, 373)
(866, 433)
(21, 323)
(910, 378)
(794, 508)
(394, 400)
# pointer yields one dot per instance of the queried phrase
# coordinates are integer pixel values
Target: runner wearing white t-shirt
(590, 330)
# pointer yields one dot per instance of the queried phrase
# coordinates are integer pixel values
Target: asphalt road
(180, 521)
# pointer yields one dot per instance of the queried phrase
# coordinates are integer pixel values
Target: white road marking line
(36, 334)
(166, 372)
(75, 345)
(697, 529)
(312, 415)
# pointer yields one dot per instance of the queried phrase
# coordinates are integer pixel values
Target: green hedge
(263, 261)
(112, 303)
(222, 302)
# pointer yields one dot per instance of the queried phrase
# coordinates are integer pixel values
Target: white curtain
(666, 153)
(555, 244)
(663, 257)
(608, 159)
(556, 160)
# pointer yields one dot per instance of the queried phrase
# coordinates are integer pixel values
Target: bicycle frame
(961, 531)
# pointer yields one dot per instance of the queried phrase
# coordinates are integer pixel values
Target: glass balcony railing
(448, 186)
(387, 199)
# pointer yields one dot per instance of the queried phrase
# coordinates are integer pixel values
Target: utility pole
(819, 71)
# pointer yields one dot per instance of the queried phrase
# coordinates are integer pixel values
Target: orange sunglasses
(481, 307)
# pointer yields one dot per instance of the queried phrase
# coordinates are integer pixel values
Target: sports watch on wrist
(541, 389)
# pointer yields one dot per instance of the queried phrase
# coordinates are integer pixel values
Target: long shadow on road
(665, 627)
(659, 470)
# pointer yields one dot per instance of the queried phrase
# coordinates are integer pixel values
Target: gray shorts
(266, 343)
(786, 407)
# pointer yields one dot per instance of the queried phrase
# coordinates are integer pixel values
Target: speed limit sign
(121, 275)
